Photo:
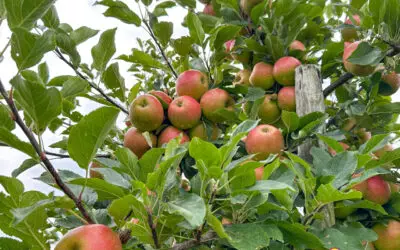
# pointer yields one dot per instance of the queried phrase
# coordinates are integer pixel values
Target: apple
(259, 173)
(93, 173)
(185, 185)
(209, 10)
(229, 45)
(226, 221)
(389, 84)
(375, 189)
(242, 77)
(297, 49)
(341, 211)
(355, 69)
(90, 237)
(261, 76)
(368, 245)
(287, 99)
(264, 140)
(269, 111)
(134, 221)
(394, 187)
(350, 33)
(363, 135)
(200, 131)
(184, 112)
(192, 83)
(388, 235)
(284, 70)
(237, 54)
(349, 124)
(333, 152)
(214, 100)
(170, 133)
(146, 113)
(248, 5)
(162, 97)
(137, 143)
(380, 152)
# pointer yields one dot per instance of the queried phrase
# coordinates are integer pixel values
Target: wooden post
(310, 98)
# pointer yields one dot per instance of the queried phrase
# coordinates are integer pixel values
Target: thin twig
(153, 228)
(5, 48)
(43, 156)
(94, 86)
(209, 236)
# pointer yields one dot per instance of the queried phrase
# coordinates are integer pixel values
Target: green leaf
(189, 3)
(159, 10)
(82, 34)
(375, 143)
(365, 204)
(254, 94)
(67, 46)
(104, 190)
(104, 50)
(266, 186)
(216, 225)
(244, 127)
(13, 141)
(204, 151)
(24, 14)
(28, 49)
(388, 157)
(74, 86)
(142, 58)
(163, 31)
(249, 236)
(331, 142)
(195, 29)
(326, 193)
(43, 71)
(50, 19)
(365, 54)
(191, 207)
(13, 186)
(222, 34)
(291, 120)
(8, 243)
(89, 134)
(120, 208)
(129, 162)
(21, 214)
(182, 45)
(5, 118)
(297, 235)
(113, 177)
(148, 162)
(121, 11)
(385, 108)
(27, 164)
(114, 81)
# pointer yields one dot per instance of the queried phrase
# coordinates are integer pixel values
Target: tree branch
(209, 236)
(153, 228)
(98, 89)
(43, 156)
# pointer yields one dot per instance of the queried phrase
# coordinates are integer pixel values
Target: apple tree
(269, 125)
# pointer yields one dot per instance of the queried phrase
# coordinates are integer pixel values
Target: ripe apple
(287, 99)
(261, 76)
(297, 49)
(170, 133)
(214, 100)
(184, 112)
(333, 152)
(355, 69)
(162, 97)
(200, 131)
(284, 70)
(388, 235)
(146, 113)
(269, 111)
(136, 142)
(380, 152)
(242, 77)
(389, 84)
(90, 237)
(264, 140)
(259, 173)
(350, 33)
(93, 173)
(341, 212)
(375, 189)
(248, 5)
(209, 10)
(193, 83)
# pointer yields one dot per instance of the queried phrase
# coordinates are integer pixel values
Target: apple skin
(343, 212)
(200, 131)
(242, 77)
(248, 5)
(363, 135)
(261, 76)
(146, 113)
(284, 70)
(388, 236)
(184, 112)
(209, 10)
(136, 142)
(269, 111)
(264, 140)
(375, 189)
(90, 237)
(213, 100)
(389, 84)
(355, 69)
(93, 173)
(170, 133)
(192, 83)
(226, 221)
(229, 45)
(240, 56)
(162, 97)
(297, 49)
(348, 33)
(287, 99)
(349, 124)
(333, 152)
(380, 152)
(259, 173)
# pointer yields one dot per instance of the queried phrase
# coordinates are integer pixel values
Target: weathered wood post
(310, 98)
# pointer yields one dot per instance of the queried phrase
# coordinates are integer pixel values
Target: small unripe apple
(242, 77)
(388, 235)
(261, 76)
(259, 172)
(200, 131)
(192, 83)
(214, 100)
(342, 212)
(209, 9)
(162, 97)
(137, 143)
(264, 140)
(269, 111)
(349, 33)
(284, 70)
(170, 133)
(380, 152)
(375, 189)
(184, 112)
(146, 113)
(349, 124)
(333, 152)
(355, 69)
(287, 99)
(90, 237)
(389, 84)
(93, 173)
(248, 5)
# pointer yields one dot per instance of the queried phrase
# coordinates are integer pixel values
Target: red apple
(355, 69)
(209, 10)
(259, 173)
(333, 152)
(388, 236)
(184, 112)
(192, 83)
(389, 84)
(264, 140)
(261, 76)
(136, 142)
(90, 237)
(214, 100)
(93, 173)
(171, 133)
(162, 97)
(200, 131)
(242, 77)
(375, 189)
(269, 111)
(350, 33)
(284, 70)
(297, 49)
(380, 152)
(287, 99)
(146, 113)
(248, 5)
